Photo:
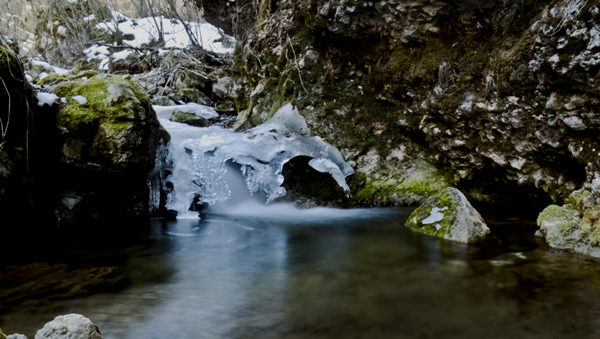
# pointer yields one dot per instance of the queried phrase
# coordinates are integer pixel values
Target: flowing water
(325, 273)
(250, 270)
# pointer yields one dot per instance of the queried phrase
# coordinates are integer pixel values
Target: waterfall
(200, 156)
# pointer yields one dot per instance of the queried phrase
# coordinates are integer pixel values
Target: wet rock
(189, 118)
(70, 326)
(449, 215)
(575, 226)
(162, 100)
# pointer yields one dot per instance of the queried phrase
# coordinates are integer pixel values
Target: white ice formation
(199, 156)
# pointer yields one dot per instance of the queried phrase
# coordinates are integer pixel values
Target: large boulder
(575, 226)
(449, 215)
(70, 326)
(104, 147)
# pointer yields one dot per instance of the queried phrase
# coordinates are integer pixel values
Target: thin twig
(297, 65)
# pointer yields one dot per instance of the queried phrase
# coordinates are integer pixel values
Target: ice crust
(199, 156)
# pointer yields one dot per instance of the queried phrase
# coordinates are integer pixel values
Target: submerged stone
(449, 215)
(574, 226)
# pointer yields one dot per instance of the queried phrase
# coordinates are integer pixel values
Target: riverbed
(325, 274)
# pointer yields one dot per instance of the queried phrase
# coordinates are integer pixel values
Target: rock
(189, 118)
(194, 95)
(596, 186)
(575, 226)
(223, 88)
(116, 130)
(102, 146)
(2, 335)
(449, 215)
(70, 326)
(575, 123)
(162, 100)
(16, 336)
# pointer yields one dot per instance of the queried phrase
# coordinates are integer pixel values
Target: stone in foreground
(449, 215)
(574, 226)
(70, 326)
(16, 336)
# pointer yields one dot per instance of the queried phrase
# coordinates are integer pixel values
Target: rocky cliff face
(497, 97)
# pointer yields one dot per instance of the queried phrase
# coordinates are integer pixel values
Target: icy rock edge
(199, 157)
(449, 215)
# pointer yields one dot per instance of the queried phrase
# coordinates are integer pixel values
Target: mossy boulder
(108, 124)
(2, 335)
(102, 150)
(575, 226)
(449, 215)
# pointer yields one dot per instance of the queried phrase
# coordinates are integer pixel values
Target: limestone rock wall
(496, 97)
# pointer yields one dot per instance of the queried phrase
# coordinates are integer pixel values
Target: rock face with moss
(496, 97)
(449, 215)
(574, 226)
(106, 141)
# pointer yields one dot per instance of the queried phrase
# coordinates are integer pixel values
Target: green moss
(446, 204)
(58, 78)
(112, 102)
(407, 190)
(2, 335)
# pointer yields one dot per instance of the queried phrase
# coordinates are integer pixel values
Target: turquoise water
(352, 274)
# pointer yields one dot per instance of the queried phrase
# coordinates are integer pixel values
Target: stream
(325, 273)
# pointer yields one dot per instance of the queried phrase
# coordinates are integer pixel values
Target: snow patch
(80, 99)
(435, 216)
(46, 99)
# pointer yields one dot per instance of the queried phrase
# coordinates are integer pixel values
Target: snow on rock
(199, 156)
(145, 32)
(201, 111)
(46, 66)
(46, 99)
(80, 99)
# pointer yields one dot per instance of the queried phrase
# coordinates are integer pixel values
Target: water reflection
(359, 275)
